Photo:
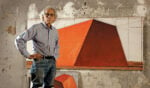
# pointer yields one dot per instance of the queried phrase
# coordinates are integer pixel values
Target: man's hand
(35, 56)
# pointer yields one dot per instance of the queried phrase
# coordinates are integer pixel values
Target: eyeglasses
(49, 14)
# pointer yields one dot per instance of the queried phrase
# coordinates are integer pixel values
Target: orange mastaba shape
(65, 81)
(90, 44)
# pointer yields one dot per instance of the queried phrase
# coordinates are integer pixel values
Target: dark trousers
(43, 73)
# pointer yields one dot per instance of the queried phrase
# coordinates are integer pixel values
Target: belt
(49, 57)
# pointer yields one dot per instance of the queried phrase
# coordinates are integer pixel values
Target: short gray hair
(43, 12)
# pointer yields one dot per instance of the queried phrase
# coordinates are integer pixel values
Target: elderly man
(45, 45)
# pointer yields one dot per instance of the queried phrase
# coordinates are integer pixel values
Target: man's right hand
(35, 56)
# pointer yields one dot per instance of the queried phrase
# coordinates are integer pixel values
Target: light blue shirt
(45, 40)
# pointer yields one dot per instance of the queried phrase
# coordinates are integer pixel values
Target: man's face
(49, 16)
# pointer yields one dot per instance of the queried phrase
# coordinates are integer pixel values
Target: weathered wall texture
(13, 20)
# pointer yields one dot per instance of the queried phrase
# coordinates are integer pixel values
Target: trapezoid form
(90, 44)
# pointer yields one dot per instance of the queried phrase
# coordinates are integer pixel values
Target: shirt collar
(51, 27)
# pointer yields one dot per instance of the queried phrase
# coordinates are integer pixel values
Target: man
(45, 45)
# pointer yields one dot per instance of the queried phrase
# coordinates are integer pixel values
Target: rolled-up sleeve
(21, 40)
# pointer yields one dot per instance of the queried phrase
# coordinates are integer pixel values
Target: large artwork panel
(130, 34)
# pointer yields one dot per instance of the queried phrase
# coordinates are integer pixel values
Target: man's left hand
(36, 56)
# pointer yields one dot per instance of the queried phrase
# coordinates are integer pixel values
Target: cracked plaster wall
(13, 16)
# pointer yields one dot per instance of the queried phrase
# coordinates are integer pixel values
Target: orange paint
(90, 43)
(71, 40)
(65, 81)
